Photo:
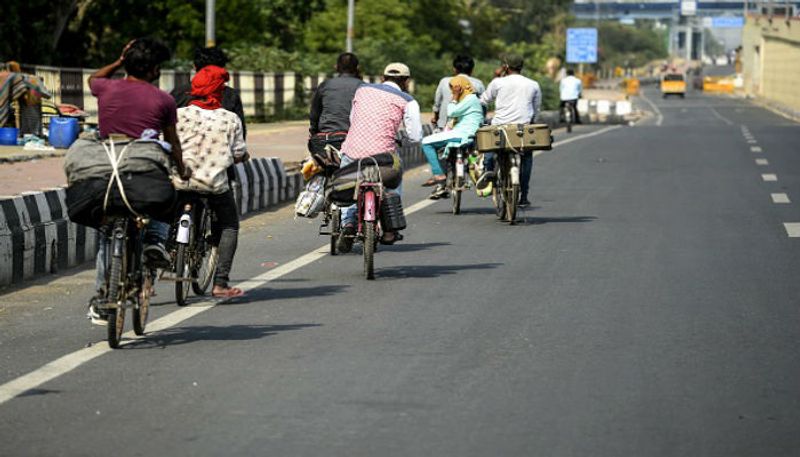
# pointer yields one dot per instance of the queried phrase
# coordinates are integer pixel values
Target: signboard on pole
(582, 45)
(727, 22)
(688, 7)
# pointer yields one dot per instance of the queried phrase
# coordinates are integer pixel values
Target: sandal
(434, 181)
(228, 292)
(397, 237)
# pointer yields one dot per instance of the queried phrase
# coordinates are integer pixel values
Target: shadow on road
(267, 293)
(527, 220)
(184, 335)
(411, 247)
(430, 271)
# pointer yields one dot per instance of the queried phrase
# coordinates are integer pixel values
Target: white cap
(397, 69)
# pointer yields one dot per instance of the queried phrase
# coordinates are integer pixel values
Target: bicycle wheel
(369, 249)
(116, 292)
(335, 227)
(512, 201)
(142, 309)
(182, 274)
(207, 264)
(498, 195)
(458, 186)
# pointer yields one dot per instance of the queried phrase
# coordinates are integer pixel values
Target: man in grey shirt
(330, 106)
(462, 65)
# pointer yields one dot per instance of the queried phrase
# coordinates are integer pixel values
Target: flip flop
(230, 292)
(429, 183)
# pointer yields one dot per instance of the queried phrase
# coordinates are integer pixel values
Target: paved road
(646, 305)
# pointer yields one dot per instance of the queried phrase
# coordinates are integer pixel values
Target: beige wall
(771, 59)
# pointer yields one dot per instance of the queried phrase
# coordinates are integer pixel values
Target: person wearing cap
(375, 118)
(517, 100)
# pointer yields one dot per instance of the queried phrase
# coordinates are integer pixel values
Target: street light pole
(211, 39)
(351, 6)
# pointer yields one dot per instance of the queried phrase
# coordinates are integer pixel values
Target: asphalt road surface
(646, 305)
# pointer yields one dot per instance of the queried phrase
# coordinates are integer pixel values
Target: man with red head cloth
(212, 140)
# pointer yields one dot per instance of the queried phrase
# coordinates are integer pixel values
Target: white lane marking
(752, 141)
(762, 162)
(769, 177)
(792, 229)
(780, 198)
(75, 359)
(660, 117)
(580, 137)
(755, 149)
(720, 116)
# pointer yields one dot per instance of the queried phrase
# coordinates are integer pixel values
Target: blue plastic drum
(8, 136)
(63, 131)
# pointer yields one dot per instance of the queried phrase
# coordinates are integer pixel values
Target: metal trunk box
(522, 137)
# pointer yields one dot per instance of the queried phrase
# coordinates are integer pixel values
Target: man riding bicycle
(330, 106)
(517, 100)
(570, 89)
(129, 108)
(213, 140)
(376, 115)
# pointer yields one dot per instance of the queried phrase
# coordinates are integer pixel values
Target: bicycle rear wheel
(512, 200)
(182, 274)
(207, 265)
(369, 249)
(458, 186)
(116, 290)
(142, 309)
(336, 223)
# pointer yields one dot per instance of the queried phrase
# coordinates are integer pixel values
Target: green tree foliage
(630, 45)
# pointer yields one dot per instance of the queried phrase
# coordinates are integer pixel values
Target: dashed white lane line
(762, 162)
(69, 362)
(769, 177)
(792, 229)
(751, 141)
(780, 198)
(755, 149)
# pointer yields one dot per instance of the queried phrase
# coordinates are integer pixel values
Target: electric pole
(211, 39)
(351, 7)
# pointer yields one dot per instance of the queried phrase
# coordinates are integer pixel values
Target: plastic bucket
(8, 136)
(63, 131)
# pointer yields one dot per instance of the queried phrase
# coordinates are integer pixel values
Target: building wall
(771, 60)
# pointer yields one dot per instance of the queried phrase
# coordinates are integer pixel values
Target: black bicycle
(506, 190)
(128, 282)
(194, 255)
(461, 163)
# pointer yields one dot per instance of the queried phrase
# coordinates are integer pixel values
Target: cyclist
(376, 115)
(570, 89)
(467, 111)
(330, 106)
(213, 140)
(517, 100)
(231, 98)
(129, 107)
(462, 66)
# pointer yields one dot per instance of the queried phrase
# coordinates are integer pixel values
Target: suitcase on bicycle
(342, 185)
(522, 137)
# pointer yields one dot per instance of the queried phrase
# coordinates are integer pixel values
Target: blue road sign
(582, 45)
(727, 22)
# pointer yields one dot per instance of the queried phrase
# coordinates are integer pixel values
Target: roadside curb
(33, 155)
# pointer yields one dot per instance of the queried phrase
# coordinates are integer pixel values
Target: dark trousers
(575, 114)
(224, 230)
(525, 170)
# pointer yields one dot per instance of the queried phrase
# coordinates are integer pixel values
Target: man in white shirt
(571, 88)
(517, 100)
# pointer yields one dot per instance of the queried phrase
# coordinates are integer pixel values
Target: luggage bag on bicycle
(342, 186)
(522, 137)
(144, 178)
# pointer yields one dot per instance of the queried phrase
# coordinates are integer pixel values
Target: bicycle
(128, 283)
(461, 164)
(194, 256)
(506, 190)
(568, 114)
